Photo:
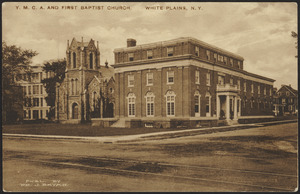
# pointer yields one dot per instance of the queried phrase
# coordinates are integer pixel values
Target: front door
(74, 111)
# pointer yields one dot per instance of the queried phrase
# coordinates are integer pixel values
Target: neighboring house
(285, 101)
(35, 106)
(186, 82)
(86, 90)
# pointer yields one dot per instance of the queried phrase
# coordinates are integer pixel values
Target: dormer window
(170, 51)
(130, 56)
(208, 54)
(239, 64)
(197, 53)
(215, 56)
(149, 54)
(220, 58)
(225, 60)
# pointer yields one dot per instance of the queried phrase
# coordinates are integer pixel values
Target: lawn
(76, 130)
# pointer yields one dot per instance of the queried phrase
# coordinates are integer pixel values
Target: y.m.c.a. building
(186, 82)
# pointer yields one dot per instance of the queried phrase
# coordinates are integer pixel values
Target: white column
(218, 107)
(227, 108)
(235, 108)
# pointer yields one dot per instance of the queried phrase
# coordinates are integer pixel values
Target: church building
(87, 90)
(186, 82)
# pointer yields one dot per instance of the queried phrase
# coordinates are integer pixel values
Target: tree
(295, 35)
(57, 71)
(15, 60)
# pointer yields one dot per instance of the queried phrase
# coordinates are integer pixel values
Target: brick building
(186, 82)
(87, 89)
(285, 101)
(35, 106)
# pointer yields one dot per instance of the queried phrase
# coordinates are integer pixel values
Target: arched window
(197, 98)
(208, 104)
(91, 60)
(131, 104)
(74, 60)
(150, 104)
(170, 103)
(72, 86)
(94, 100)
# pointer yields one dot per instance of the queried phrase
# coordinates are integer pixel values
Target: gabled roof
(290, 89)
(82, 44)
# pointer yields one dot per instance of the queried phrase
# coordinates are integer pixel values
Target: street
(254, 159)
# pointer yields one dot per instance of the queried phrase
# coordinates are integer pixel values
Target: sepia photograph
(149, 97)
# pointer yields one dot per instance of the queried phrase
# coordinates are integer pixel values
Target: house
(186, 82)
(285, 101)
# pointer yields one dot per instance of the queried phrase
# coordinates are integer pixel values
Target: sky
(259, 32)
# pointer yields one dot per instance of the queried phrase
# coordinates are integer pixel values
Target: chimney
(131, 42)
(290, 85)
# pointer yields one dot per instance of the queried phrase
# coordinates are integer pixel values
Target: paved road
(255, 159)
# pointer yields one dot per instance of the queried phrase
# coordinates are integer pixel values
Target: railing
(226, 88)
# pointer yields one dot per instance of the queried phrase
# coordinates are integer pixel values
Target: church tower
(83, 63)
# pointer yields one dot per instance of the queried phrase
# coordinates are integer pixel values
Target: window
(131, 104)
(170, 99)
(220, 58)
(41, 89)
(76, 86)
(197, 97)
(29, 114)
(208, 54)
(258, 89)
(25, 114)
(225, 60)
(231, 62)
(35, 114)
(197, 53)
(245, 86)
(170, 76)
(287, 93)
(251, 102)
(41, 114)
(239, 84)
(270, 91)
(208, 102)
(197, 77)
(42, 101)
(239, 64)
(221, 80)
(74, 60)
(149, 79)
(35, 101)
(149, 54)
(91, 60)
(265, 90)
(130, 80)
(170, 51)
(208, 79)
(252, 88)
(36, 89)
(283, 100)
(24, 90)
(150, 104)
(94, 100)
(130, 57)
(29, 90)
(231, 81)
(72, 86)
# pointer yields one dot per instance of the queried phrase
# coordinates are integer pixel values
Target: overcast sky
(260, 32)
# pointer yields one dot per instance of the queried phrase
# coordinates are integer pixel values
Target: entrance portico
(228, 103)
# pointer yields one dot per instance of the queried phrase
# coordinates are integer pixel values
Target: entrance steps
(227, 122)
(119, 123)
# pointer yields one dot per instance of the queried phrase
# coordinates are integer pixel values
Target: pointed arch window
(149, 104)
(170, 103)
(91, 60)
(74, 60)
(131, 104)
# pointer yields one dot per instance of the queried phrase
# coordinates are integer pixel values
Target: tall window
(208, 54)
(149, 54)
(270, 91)
(94, 101)
(72, 86)
(225, 60)
(29, 90)
(91, 60)
(252, 88)
(208, 79)
(130, 80)
(170, 76)
(76, 86)
(74, 60)
(208, 104)
(221, 80)
(170, 99)
(238, 84)
(245, 86)
(36, 89)
(41, 89)
(170, 51)
(265, 90)
(239, 64)
(149, 79)
(131, 104)
(197, 97)
(197, 77)
(130, 57)
(197, 53)
(231, 81)
(231, 62)
(215, 56)
(42, 102)
(35, 101)
(149, 104)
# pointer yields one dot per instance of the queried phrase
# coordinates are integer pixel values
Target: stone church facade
(87, 90)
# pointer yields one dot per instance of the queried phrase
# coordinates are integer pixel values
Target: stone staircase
(119, 123)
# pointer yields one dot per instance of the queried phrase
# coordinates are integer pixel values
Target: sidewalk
(126, 138)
